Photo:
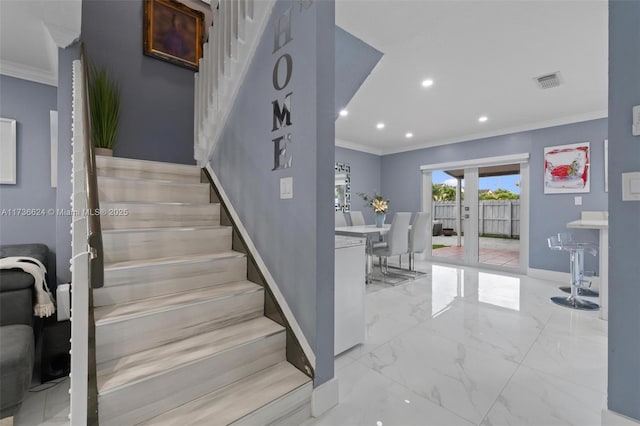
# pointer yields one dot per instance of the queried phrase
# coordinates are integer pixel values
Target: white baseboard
(611, 418)
(325, 397)
(270, 281)
(562, 278)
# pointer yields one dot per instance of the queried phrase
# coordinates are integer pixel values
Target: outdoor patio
(493, 251)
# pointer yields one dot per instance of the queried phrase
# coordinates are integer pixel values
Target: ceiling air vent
(549, 81)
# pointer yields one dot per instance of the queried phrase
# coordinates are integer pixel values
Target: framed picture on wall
(566, 169)
(7, 151)
(173, 32)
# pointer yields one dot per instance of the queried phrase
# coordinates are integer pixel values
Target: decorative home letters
(282, 111)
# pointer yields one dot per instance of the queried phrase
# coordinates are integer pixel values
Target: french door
(492, 232)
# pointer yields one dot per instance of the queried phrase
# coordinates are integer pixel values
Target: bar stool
(582, 291)
(563, 242)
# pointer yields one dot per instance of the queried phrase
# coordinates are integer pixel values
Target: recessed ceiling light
(380, 126)
(344, 113)
(427, 83)
(483, 119)
(408, 135)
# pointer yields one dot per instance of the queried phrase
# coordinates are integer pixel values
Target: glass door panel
(499, 216)
(447, 190)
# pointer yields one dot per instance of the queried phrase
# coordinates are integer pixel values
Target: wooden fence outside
(495, 217)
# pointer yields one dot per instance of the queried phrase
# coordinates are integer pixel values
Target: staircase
(181, 336)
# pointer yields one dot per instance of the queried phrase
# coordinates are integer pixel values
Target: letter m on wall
(282, 114)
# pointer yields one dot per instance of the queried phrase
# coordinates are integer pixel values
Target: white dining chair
(340, 219)
(418, 237)
(397, 242)
(357, 218)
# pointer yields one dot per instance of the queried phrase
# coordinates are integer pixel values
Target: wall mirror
(343, 187)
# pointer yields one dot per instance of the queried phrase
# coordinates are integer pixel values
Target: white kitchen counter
(349, 292)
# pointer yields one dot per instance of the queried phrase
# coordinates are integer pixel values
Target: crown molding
(504, 131)
(27, 72)
(358, 147)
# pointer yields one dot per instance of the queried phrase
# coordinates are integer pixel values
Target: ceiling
(483, 57)
(30, 34)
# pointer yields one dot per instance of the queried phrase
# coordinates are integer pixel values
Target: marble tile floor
(463, 346)
(459, 346)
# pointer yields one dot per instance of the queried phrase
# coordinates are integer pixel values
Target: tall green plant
(104, 102)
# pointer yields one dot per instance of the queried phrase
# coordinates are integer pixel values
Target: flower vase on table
(378, 204)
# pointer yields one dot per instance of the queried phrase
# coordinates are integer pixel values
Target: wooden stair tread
(173, 260)
(157, 203)
(120, 372)
(238, 399)
(133, 163)
(165, 229)
(102, 178)
(142, 307)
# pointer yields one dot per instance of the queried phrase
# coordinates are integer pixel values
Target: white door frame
(471, 244)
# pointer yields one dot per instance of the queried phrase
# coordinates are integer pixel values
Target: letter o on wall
(276, 68)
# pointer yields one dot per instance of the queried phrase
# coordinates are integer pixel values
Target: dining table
(372, 234)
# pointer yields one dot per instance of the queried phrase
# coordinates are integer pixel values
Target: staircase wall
(295, 236)
(156, 116)
(624, 226)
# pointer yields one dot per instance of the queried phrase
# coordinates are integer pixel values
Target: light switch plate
(578, 200)
(635, 131)
(286, 188)
(631, 186)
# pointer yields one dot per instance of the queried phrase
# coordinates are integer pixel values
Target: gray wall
(156, 120)
(365, 177)
(401, 182)
(29, 104)
(294, 237)
(624, 216)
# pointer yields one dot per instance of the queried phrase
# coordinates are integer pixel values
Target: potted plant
(378, 204)
(104, 106)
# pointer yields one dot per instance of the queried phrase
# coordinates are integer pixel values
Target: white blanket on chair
(44, 306)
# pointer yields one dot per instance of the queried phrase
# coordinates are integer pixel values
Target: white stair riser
(125, 285)
(141, 169)
(148, 398)
(137, 245)
(158, 215)
(152, 191)
(120, 338)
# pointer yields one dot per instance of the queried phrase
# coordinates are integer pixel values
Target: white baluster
(242, 19)
(237, 27)
(250, 9)
(234, 29)
(196, 110)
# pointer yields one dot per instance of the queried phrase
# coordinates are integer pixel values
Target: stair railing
(233, 37)
(87, 270)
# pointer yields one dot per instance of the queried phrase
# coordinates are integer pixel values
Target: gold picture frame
(173, 32)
